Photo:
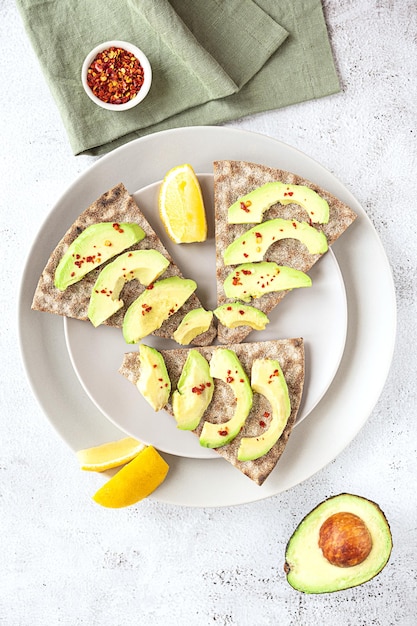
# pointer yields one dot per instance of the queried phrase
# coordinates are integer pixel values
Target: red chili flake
(223, 433)
(241, 312)
(245, 255)
(229, 379)
(244, 206)
(198, 390)
(151, 286)
(294, 224)
(229, 308)
(258, 235)
(247, 272)
(266, 414)
(262, 423)
(208, 384)
(115, 76)
(155, 365)
(90, 259)
(72, 273)
(236, 281)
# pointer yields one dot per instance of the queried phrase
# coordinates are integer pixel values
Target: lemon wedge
(181, 206)
(135, 481)
(108, 455)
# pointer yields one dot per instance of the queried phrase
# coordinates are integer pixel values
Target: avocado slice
(194, 391)
(142, 265)
(193, 324)
(225, 365)
(267, 378)
(95, 245)
(350, 530)
(253, 244)
(249, 209)
(235, 314)
(153, 382)
(253, 280)
(156, 304)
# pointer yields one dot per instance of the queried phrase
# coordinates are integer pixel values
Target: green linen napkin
(212, 60)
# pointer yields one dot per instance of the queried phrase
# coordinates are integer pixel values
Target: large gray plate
(370, 336)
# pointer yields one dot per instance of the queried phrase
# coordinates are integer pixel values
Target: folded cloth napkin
(212, 60)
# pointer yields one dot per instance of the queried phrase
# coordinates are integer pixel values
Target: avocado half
(306, 566)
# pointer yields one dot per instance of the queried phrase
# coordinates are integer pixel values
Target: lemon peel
(135, 481)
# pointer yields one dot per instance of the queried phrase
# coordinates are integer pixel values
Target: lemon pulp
(181, 205)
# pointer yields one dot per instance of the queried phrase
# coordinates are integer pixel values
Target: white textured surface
(67, 561)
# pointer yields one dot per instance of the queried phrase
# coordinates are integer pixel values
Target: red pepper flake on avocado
(199, 390)
(115, 76)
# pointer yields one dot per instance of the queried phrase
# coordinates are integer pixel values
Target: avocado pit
(345, 539)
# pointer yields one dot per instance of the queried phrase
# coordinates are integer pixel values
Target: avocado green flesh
(95, 245)
(226, 366)
(194, 323)
(267, 379)
(236, 314)
(194, 392)
(310, 572)
(253, 245)
(251, 207)
(142, 265)
(150, 310)
(154, 382)
(253, 280)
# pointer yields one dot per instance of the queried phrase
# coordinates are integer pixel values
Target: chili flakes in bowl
(116, 75)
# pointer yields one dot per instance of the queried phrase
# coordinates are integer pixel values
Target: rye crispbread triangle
(233, 179)
(116, 205)
(289, 353)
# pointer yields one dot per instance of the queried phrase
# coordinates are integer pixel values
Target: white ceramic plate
(97, 353)
(356, 387)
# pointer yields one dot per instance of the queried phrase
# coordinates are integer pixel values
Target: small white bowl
(147, 75)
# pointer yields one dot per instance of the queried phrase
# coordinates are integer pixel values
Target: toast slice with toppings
(116, 206)
(290, 355)
(235, 179)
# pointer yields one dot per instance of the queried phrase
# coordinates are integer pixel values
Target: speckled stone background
(67, 561)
